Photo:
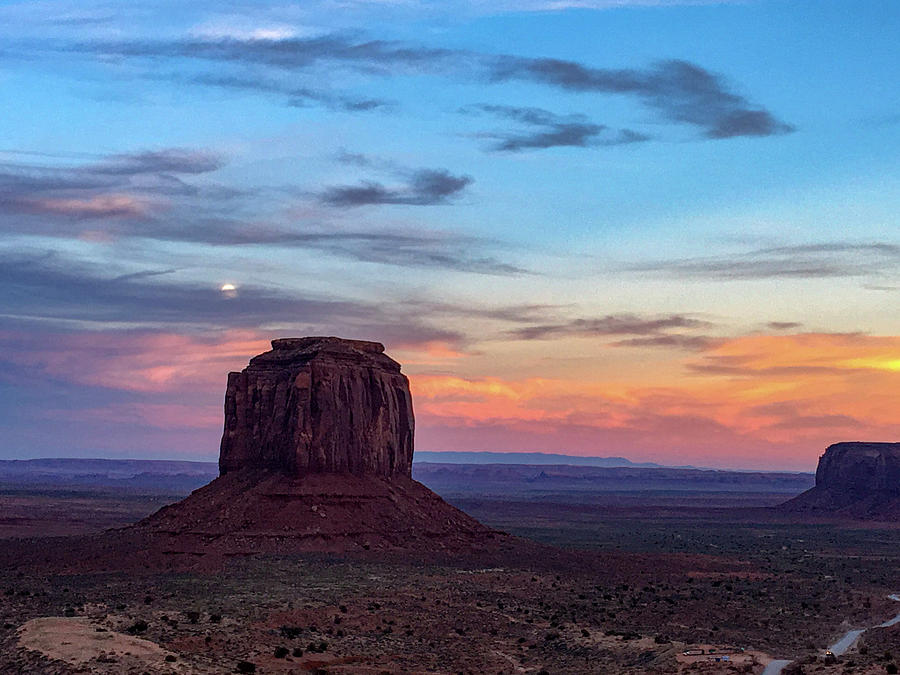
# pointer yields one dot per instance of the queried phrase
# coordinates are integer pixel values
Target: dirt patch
(82, 642)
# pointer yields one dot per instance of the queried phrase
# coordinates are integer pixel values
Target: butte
(856, 480)
(316, 456)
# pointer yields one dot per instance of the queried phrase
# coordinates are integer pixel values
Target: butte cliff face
(319, 405)
(860, 480)
(316, 456)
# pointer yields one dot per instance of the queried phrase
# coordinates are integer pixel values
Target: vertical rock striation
(319, 405)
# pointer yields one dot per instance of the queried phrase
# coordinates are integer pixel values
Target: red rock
(855, 479)
(319, 405)
(316, 456)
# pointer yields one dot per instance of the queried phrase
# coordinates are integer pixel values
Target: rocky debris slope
(316, 456)
(855, 479)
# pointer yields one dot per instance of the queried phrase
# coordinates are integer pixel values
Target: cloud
(290, 53)
(413, 250)
(139, 195)
(298, 97)
(756, 406)
(425, 187)
(676, 341)
(98, 206)
(419, 249)
(808, 261)
(810, 354)
(681, 91)
(549, 130)
(611, 324)
(52, 287)
(53, 290)
(783, 325)
(169, 160)
(107, 188)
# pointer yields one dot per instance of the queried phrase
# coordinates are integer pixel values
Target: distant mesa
(856, 480)
(316, 455)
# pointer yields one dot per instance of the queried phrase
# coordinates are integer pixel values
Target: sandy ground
(83, 642)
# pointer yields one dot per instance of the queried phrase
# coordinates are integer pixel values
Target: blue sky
(496, 190)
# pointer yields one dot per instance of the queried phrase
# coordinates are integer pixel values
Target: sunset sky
(659, 229)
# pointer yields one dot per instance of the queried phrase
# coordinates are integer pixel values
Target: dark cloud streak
(681, 91)
(425, 187)
(549, 130)
(611, 324)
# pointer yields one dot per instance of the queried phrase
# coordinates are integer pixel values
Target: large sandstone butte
(316, 456)
(319, 405)
(855, 479)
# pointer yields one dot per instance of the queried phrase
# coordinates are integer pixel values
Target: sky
(659, 229)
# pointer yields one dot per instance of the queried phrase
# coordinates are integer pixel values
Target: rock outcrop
(316, 456)
(319, 405)
(855, 479)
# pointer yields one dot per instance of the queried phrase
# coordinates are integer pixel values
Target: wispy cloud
(298, 97)
(113, 186)
(681, 91)
(806, 261)
(674, 341)
(783, 325)
(611, 324)
(425, 187)
(142, 196)
(549, 130)
(57, 290)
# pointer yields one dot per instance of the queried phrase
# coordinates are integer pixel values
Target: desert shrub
(215, 618)
(246, 667)
(281, 652)
(297, 652)
(139, 626)
(290, 632)
(890, 669)
(170, 658)
(192, 616)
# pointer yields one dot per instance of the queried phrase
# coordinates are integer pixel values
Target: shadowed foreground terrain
(659, 569)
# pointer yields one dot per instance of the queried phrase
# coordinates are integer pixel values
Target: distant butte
(856, 480)
(316, 455)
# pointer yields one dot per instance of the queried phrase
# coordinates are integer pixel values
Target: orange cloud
(100, 206)
(141, 361)
(749, 394)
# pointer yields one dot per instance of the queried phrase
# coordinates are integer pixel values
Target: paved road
(847, 640)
